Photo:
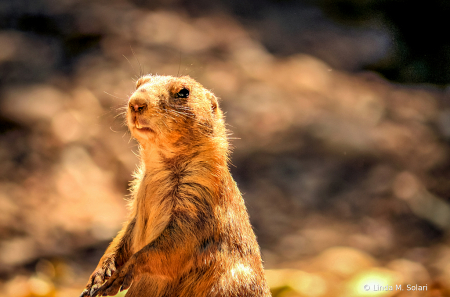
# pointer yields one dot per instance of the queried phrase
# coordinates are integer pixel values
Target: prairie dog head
(173, 111)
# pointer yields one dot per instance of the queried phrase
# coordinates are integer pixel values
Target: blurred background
(339, 109)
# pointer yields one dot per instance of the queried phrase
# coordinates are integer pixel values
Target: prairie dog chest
(152, 208)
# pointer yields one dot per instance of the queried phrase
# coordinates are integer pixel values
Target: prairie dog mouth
(139, 127)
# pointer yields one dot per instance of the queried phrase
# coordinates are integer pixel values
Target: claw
(111, 291)
(85, 291)
(113, 286)
(126, 282)
(98, 279)
(94, 290)
(93, 294)
(108, 272)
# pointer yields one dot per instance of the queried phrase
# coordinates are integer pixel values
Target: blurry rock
(303, 72)
(263, 120)
(27, 58)
(9, 211)
(373, 282)
(221, 78)
(193, 39)
(302, 283)
(17, 251)
(415, 105)
(321, 237)
(86, 102)
(252, 57)
(41, 287)
(344, 261)
(298, 27)
(412, 272)
(45, 269)
(66, 125)
(17, 287)
(34, 286)
(158, 27)
(80, 182)
(381, 230)
(380, 179)
(9, 48)
(406, 185)
(308, 284)
(421, 201)
(277, 277)
(30, 104)
(292, 246)
(441, 264)
(444, 122)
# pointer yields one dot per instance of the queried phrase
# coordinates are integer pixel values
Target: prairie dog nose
(137, 104)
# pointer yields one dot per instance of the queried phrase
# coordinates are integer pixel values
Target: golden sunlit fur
(188, 232)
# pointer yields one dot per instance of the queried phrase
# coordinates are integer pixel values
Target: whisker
(134, 70)
(179, 65)
(122, 107)
(164, 122)
(114, 96)
(120, 114)
(186, 115)
(141, 70)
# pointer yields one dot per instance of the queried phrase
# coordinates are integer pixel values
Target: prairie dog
(188, 233)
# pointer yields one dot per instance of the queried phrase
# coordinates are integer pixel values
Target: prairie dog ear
(213, 100)
(142, 81)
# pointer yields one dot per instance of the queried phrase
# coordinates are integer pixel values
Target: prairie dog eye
(183, 93)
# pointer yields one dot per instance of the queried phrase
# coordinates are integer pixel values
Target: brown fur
(188, 233)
